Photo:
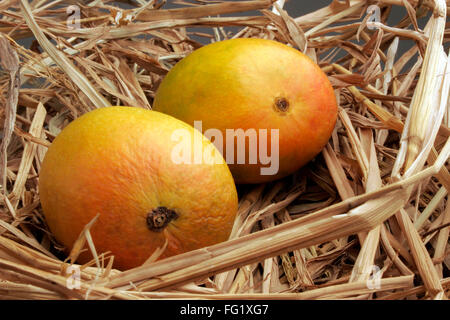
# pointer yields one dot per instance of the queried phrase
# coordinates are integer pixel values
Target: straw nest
(367, 219)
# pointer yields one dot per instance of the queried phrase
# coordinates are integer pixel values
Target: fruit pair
(155, 180)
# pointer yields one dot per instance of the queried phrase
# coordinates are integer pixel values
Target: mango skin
(116, 161)
(234, 84)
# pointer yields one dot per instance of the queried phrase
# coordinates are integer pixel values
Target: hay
(374, 203)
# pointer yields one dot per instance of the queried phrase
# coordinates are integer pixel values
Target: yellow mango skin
(235, 83)
(116, 161)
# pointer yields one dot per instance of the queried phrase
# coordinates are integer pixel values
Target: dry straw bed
(367, 219)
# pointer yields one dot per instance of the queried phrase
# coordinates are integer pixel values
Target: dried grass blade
(9, 61)
(344, 13)
(204, 11)
(422, 107)
(337, 173)
(29, 152)
(364, 263)
(404, 270)
(443, 174)
(355, 143)
(414, 35)
(295, 31)
(421, 256)
(303, 275)
(442, 241)
(31, 138)
(426, 213)
(80, 242)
